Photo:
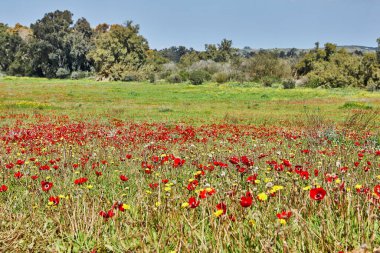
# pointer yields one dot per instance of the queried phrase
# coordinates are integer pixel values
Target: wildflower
(284, 215)
(246, 201)
(124, 178)
(282, 221)
(193, 203)
(46, 186)
(81, 180)
(54, 201)
(262, 196)
(18, 175)
(222, 207)
(317, 193)
(107, 215)
(185, 204)
(218, 213)
(377, 190)
(3, 188)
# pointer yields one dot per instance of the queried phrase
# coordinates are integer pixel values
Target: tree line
(57, 47)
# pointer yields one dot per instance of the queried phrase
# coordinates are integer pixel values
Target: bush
(268, 81)
(221, 77)
(62, 73)
(289, 84)
(79, 75)
(174, 78)
(197, 77)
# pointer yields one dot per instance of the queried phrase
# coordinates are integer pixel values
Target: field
(137, 167)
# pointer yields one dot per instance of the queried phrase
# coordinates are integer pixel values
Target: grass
(207, 103)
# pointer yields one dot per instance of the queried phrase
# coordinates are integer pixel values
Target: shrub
(174, 78)
(221, 77)
(197, 77)
(62, 73)
(289, 84)
(79, 74)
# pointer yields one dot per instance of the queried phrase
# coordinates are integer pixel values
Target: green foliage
(289, 84)
(332, 68)
(10, 43)
(174, 78)
(221, 77)
(265, 65)
(120, 53)
(197, 77)
(356, 105)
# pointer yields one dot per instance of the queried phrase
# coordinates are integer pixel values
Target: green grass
(243, 103)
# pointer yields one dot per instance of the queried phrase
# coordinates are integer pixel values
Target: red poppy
(54, 200)
(284, 215)
(128, 156)
(46, 186)
(246, 201)
(124, 178)
(80, 181)
(98, 173)
(34, 177)
(107, 215)
(251, 179)
(3, 188)
(153, 185)
(20, 162)
(193, 202)
(222, 206)
(165, 181)
(317, 193)
(18, 175)
(191, 186)
(377, 190)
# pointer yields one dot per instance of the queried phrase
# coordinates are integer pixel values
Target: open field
(138, 167)
(178, 102)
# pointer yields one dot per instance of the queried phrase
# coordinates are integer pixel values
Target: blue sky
(193, 23)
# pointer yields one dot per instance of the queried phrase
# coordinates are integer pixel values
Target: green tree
(10, 43)
(378, 50)
(49, 48)
(120, 53)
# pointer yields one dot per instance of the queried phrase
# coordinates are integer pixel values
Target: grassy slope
(174, 102)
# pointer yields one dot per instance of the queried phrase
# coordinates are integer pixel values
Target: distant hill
(352, 48)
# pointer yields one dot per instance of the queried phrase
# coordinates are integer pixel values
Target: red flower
(222, 206)
(54, 200)
(124, 178)
(46, 186)
(165, 181)
(80, 181)
(34, 177)
(251, 179)
(20, 162)
(191, 186)
(3, 188)
(107, 215)
(98, 173)
(128, 156)
(246, 201)
(377, 190)
(18, 175)
(317, 193)
(193, 202)
(153, 185)
(284, 215)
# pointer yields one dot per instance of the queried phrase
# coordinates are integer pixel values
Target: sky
(194, 23)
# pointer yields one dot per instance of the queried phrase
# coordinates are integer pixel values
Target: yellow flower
(218, 213)
(257, 181)
(148, 192)
(191, 180)
(158, 204)
(378, 177)
(307, 188)
(168, 189)
(276, 188)
(358, 186)
(338, 181)
(197, 173)
(185, 204)
(47, 178)
(262, 196)
(267, 180)
(51, 203)
(252, 222)
(89, 186)
(126, 207)
(282, 221)
(76, 172)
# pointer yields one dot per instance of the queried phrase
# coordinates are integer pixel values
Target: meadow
(138, 167)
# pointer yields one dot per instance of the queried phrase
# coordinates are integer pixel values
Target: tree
(330, 49)
(174, 53)
(83, 26)
(10, 43)
(50, 48)
(120, 53)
